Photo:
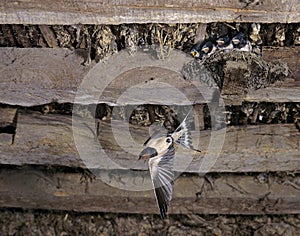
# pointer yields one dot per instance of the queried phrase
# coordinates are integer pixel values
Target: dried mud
(100, 41)
(18, 222)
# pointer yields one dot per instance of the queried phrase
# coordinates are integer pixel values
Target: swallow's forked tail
(183, 131)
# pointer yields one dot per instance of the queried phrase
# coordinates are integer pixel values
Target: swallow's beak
(193, 53)
(148, 153)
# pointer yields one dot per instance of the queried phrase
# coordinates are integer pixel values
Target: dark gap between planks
(249, 113)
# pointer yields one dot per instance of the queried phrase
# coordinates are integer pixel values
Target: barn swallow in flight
(203, 49)
(160, 152)
(224, 43)
(241, 43)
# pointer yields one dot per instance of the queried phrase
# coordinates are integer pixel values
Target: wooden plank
(48, 140)
(58, 75)
(136, 11)
(274, 94)
(39, 76)
(29, 188)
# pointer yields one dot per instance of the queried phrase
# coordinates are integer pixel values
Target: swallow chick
(203, 49)
(160, 152)
(241, 43)
(224, 43)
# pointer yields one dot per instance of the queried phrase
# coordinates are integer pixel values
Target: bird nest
(256, 72)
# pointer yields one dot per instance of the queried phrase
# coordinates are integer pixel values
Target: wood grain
(39, 76)
(51, 140)
(134, 11)
(29, 188)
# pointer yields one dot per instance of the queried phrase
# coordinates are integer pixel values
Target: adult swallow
(203, 49)
(241, 43)
(224, 43)
(160, 152)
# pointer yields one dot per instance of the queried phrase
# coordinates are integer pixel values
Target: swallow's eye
(169, 140)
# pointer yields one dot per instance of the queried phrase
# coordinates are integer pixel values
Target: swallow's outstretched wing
(161, 170)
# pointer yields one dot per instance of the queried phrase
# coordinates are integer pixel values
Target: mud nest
(256, 72)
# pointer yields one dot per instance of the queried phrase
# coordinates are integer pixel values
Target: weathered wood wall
(135, 11)
(40, 167)
(30, 188)
(34, 76)
(48, 140)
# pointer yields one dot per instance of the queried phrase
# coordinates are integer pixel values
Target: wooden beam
(114, 12)
(39, 76)
(29, 188)
(49, 140)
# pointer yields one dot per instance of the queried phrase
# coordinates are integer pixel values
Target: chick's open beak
(148, 153)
